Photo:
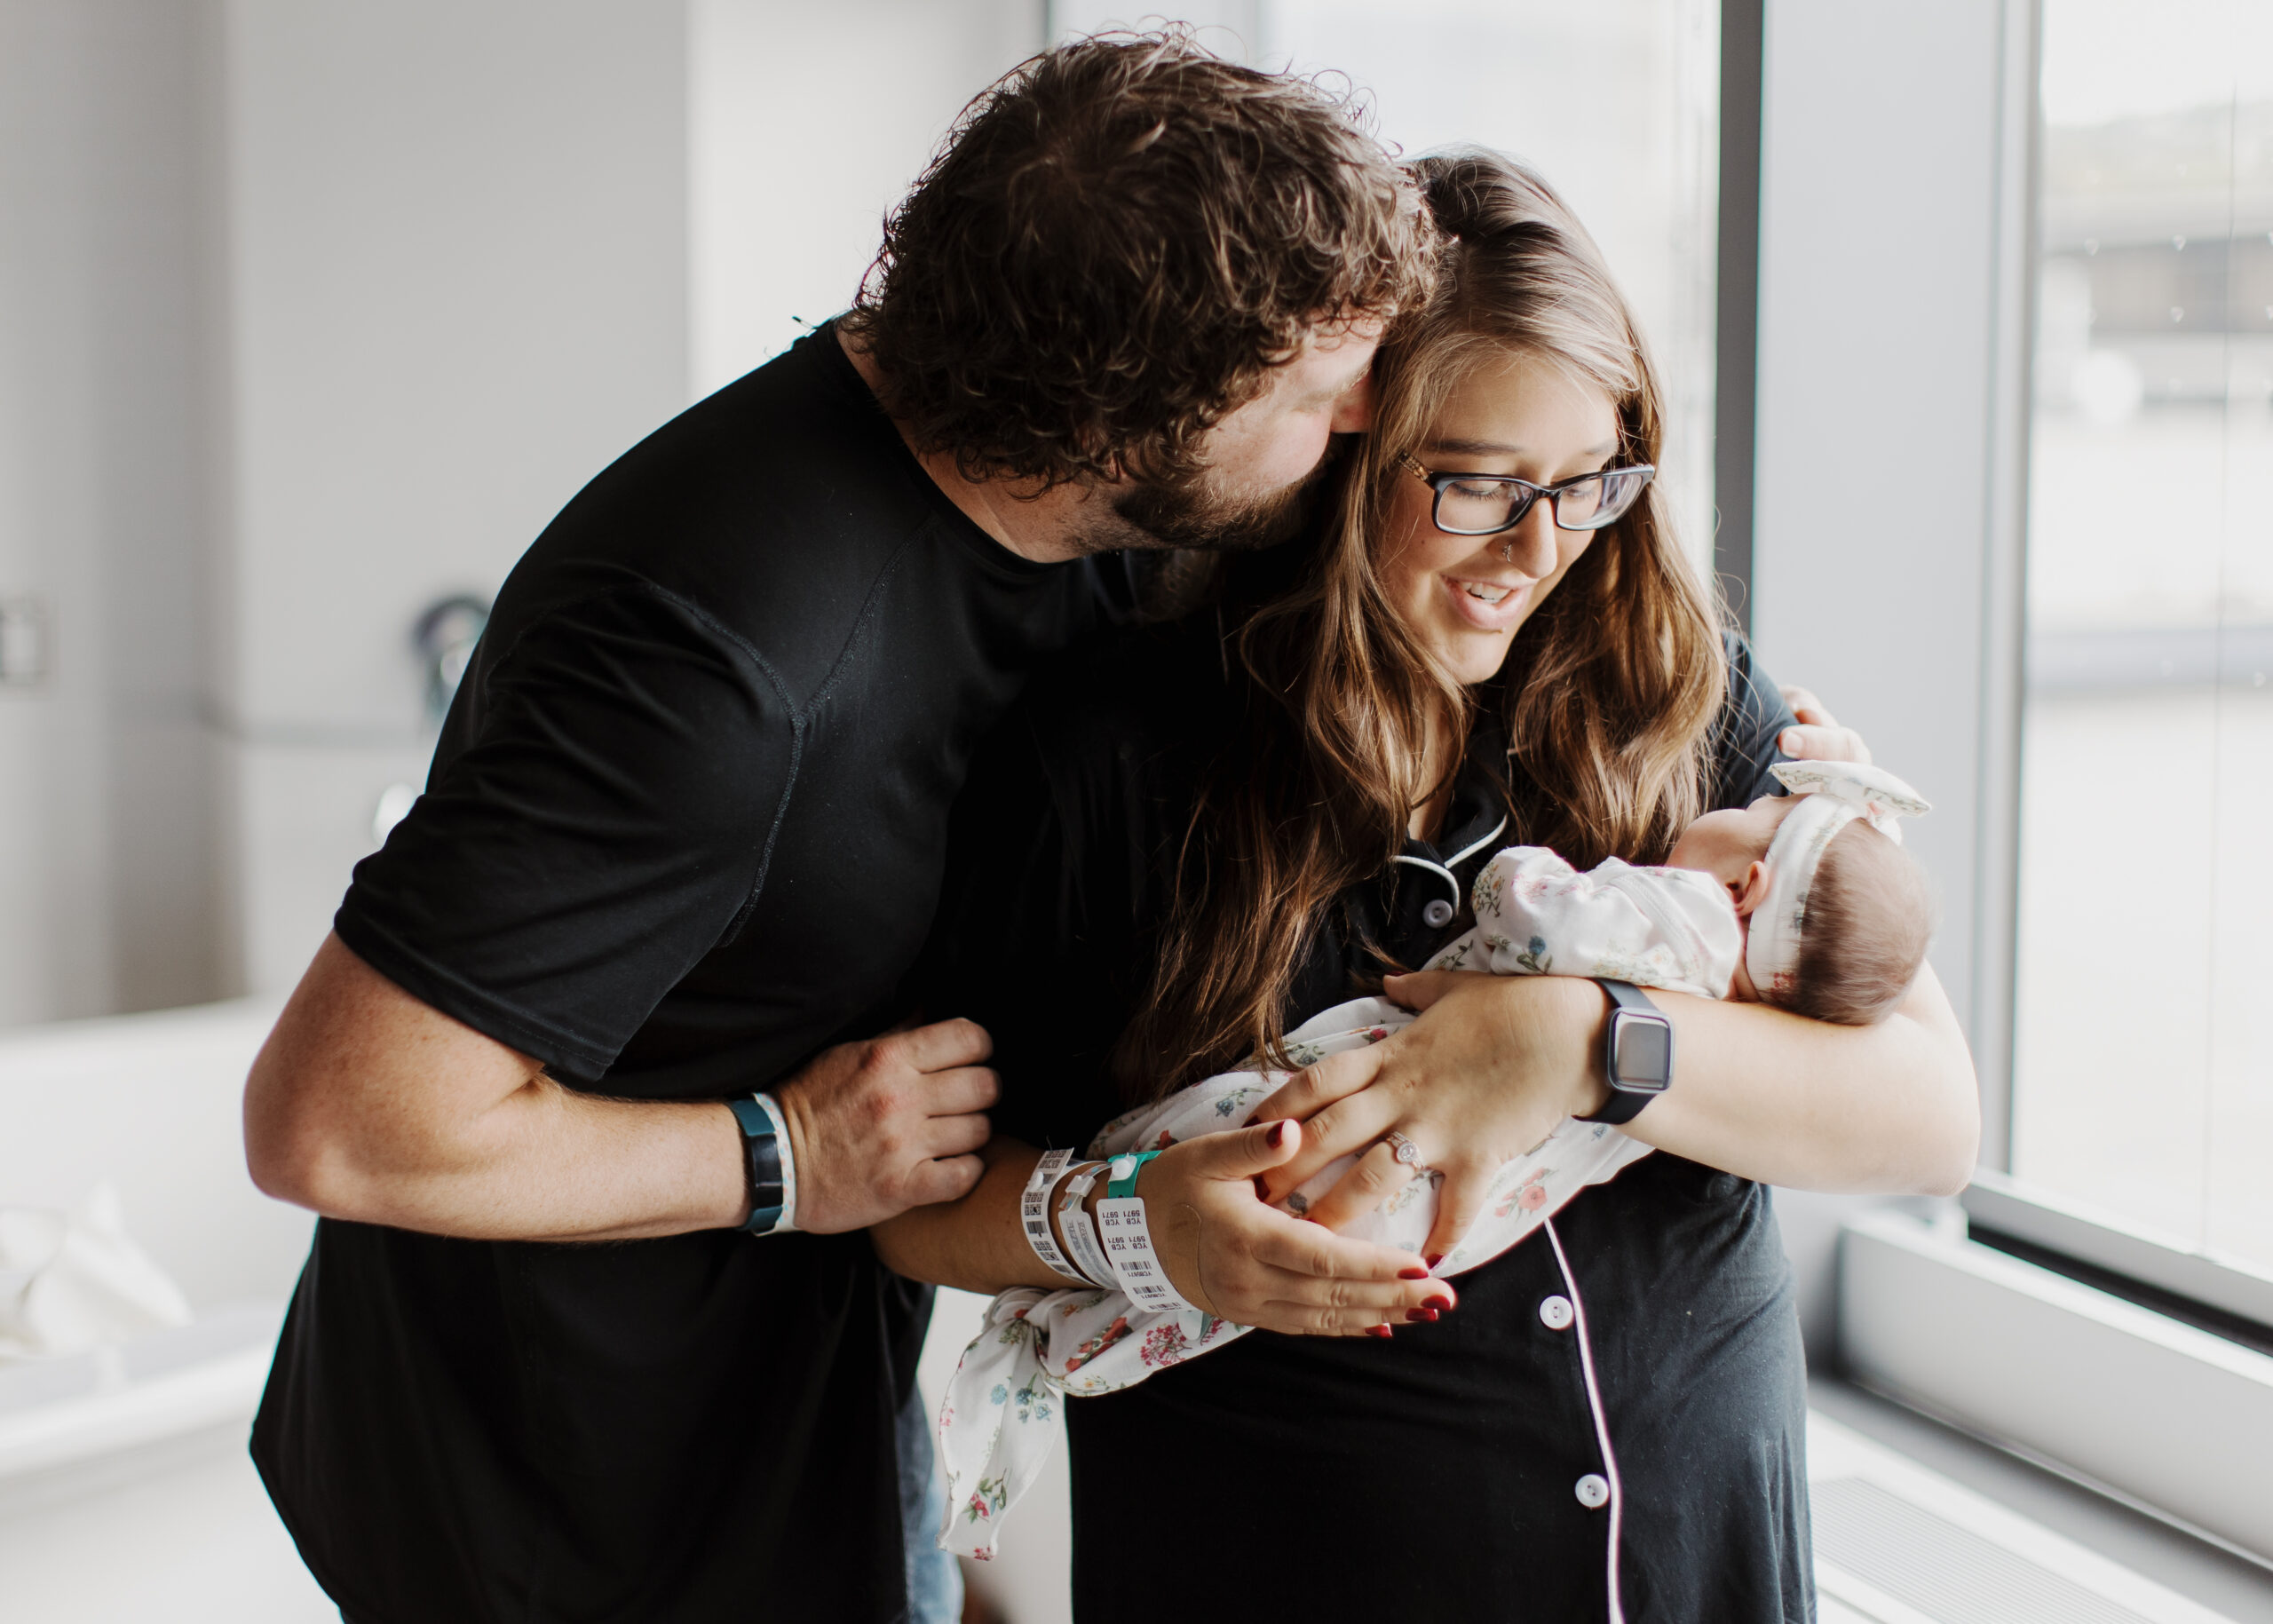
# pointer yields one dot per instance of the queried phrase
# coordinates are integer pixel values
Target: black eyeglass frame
(1436, 482)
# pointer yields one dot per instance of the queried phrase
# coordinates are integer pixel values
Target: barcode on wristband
(1034, 1215)
(1080, 1234)
(1128, 1242)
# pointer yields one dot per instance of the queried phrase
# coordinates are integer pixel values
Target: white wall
(310, 314)
(106, 899)
(805, 124)
(478, 251)
(1884, 139)
(457, 289)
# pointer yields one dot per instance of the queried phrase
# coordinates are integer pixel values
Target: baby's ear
(1753, 891)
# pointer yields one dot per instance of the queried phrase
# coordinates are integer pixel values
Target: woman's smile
(1490, 606)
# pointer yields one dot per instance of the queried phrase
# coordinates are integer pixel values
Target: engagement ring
(1403, 1149)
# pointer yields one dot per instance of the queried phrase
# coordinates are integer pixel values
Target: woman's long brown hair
(1610, 690)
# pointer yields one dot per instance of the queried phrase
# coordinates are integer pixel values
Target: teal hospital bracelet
(1125, 1168)
(1127, 1240)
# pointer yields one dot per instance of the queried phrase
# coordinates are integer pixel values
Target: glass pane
(1577, 506)
(1476, 507)
(2140, 1082)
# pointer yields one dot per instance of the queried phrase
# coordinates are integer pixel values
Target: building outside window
(2144, 1066)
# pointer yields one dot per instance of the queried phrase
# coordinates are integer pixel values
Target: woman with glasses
(1267, 807)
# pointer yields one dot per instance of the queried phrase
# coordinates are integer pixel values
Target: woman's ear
(1754, 890)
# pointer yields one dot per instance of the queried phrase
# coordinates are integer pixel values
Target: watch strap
(762, 1165)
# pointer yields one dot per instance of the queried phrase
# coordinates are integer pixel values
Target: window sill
(2165, 1416)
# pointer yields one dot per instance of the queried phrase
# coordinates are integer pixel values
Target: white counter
(126, 1494)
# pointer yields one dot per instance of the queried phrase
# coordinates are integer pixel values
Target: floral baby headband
(1832, 794)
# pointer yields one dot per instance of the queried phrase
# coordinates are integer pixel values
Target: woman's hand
(1235, 1258)
(1493, 1066)
(1819, 737)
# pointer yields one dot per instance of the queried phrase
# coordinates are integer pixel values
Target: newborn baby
(1806, 901)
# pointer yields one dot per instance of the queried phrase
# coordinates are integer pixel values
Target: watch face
(1645, 1052)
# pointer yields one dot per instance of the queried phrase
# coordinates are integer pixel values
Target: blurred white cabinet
(126, 1494)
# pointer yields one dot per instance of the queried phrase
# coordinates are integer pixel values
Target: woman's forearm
(974, 1244)
(1495, 1063)
(1892, 1108)
(1225, 1250)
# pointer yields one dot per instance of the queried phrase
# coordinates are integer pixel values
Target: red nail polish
(1442, 1306)
(1379, 1330)
(1419, 1316)
(1277, 1134)
(1435, 1258)
(1412, 1274)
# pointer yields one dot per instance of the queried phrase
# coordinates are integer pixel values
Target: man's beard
(1157, 516)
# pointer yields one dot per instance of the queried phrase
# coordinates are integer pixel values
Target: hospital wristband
(1034, 1215)
(1080, 1234)
(1128, 1240)
(787, 1221)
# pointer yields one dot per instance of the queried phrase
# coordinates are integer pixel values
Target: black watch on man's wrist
(761, 1164)
(1638, 1054)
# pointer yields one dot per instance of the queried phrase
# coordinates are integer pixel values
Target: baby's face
(1727, 844)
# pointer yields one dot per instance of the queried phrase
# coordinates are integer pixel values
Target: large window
(2143, 1062)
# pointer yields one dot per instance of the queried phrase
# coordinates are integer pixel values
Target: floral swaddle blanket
(1673, 929)
(1535, 915)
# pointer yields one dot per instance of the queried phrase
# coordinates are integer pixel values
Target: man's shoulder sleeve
(606, 824)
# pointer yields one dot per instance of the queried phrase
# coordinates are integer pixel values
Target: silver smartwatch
(1637, 1055)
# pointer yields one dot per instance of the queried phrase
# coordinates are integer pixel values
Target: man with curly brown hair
(628, 972)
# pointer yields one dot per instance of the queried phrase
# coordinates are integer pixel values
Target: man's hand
(1493, 1066)
(882, 1126)
(1237, 1258)
(1819, 737)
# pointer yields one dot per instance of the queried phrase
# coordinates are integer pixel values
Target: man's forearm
(366, 1103)
(1769, 1095)
(550, 1164)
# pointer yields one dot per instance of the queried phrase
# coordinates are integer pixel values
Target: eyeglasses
(1486, 504)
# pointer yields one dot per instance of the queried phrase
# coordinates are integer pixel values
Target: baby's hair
(1870, 913)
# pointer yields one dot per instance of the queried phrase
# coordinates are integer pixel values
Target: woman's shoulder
(1753, 716)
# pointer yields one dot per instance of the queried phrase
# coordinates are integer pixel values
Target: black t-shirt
(1463, 1440)
(685, 827)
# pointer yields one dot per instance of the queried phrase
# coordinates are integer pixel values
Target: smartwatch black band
(762, 1160)
(1638, 1053)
